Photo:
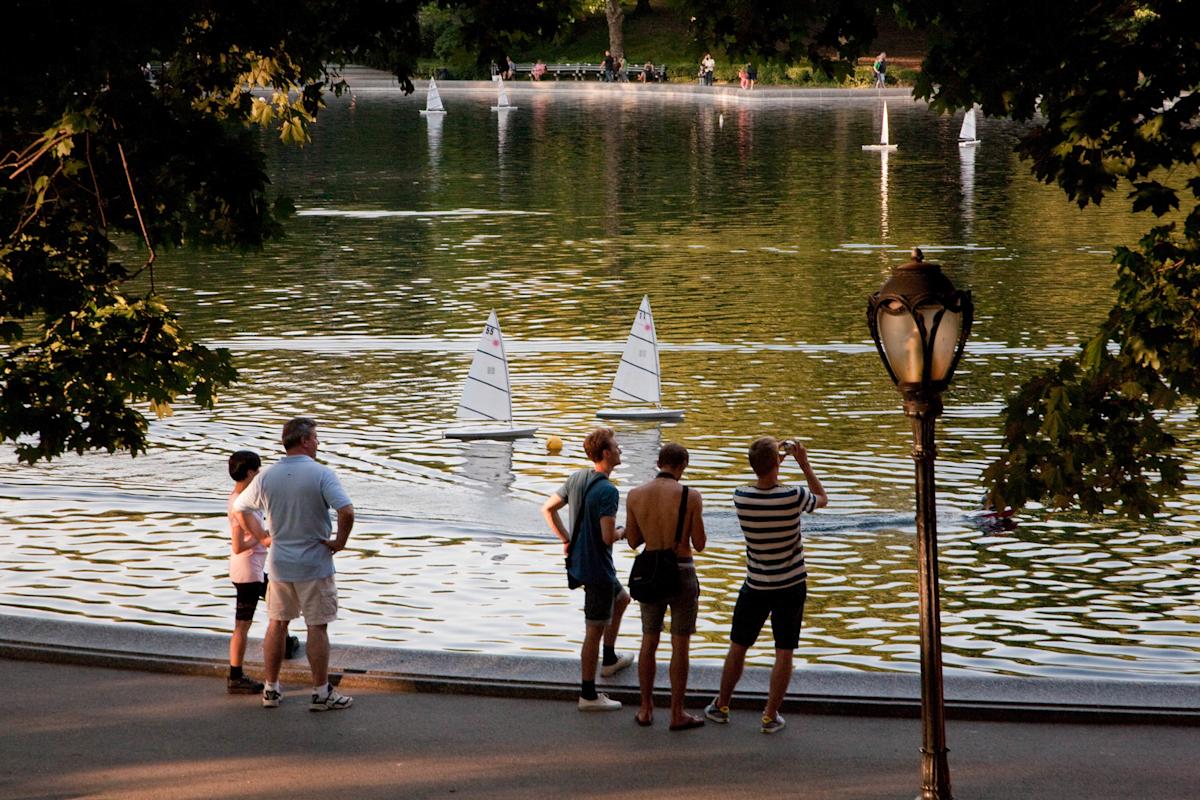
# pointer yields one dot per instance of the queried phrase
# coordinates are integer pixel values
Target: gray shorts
(598, 600)
(684, 606)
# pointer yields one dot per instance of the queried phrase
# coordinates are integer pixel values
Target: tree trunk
(616, 27)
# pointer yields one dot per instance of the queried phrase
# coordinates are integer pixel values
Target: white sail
(966, 134)
(433, 100)
(502, 103)
(486, 392)
(637, 375)
(883, 134)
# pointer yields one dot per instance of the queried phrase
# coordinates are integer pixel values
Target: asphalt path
(75, 731)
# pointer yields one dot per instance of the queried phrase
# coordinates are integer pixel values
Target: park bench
(582, 72)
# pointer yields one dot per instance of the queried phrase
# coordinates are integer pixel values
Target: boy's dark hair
(242, 462)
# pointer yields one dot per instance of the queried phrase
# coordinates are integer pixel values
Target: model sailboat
(637, 375)
(486, 393)
(433, 100)
(502, 103)
(966, 134)
(883, 135)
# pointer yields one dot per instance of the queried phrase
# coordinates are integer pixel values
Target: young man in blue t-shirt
(588, 547)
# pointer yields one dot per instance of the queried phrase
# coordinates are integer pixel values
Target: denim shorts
(598, 600)
(785, 607)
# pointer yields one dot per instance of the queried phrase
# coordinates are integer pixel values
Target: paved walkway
(78, 731)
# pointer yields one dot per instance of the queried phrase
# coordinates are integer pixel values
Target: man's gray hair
(297, 430)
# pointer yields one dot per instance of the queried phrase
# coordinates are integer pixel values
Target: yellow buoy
(554, 444)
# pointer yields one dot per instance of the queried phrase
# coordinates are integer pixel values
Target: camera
(787, 447)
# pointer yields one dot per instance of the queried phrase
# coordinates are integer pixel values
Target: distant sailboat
(966, 134)
(883, 135)
(486, 393)
(433, 100)
(637, 377)
(502, 103)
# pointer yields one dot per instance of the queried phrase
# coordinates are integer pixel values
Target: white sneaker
(334, 701)
(621, 663)
(271, 697)
(602, 703)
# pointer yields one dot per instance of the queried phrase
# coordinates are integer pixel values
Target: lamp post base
(935, 775)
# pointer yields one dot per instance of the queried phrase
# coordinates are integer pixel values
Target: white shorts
(316, 601)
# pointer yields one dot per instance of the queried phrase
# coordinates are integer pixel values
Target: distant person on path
(769, 514)
(247, 558)
(880, 67)
(744, 77)
(647, 72)
(708, 65)
(510, 68)
(652, 517)
(539, 69)
(296, 494)
(588, 547)
(609, 65)
(751, 75)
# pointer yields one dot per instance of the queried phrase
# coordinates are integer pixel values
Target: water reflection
(758, 245)
(966, 157)
(488, 465)
(433, 125)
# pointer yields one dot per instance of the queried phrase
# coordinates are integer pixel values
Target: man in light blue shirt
(296, 494)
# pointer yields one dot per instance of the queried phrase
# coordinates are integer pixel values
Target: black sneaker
(242, 685)
(291, 646)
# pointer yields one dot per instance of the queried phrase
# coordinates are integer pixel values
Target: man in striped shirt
(769, 513)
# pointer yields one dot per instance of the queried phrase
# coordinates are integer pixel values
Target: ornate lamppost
(920, 324)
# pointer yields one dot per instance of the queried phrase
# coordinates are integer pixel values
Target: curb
(969, 697)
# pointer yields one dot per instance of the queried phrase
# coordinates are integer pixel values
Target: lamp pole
(920, 324)
(935, 767)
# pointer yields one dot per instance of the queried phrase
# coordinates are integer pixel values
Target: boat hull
(502, 434)
(426, 113)
(968, 142)
(504, 108)
(880, 146)
(640, 413)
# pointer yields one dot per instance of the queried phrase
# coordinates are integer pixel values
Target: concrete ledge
(968, 695)
(361, 80)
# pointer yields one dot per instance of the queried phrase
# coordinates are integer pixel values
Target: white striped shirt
(770, 520)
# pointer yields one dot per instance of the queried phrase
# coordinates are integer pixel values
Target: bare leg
(735, 662)
(590, 651)
(620, 603)
(781, 676)
(646, 669)
(273, 649)
(679, 677)
(317, 650)
(237, 642)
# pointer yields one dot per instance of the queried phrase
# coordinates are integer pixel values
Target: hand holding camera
(793, 448)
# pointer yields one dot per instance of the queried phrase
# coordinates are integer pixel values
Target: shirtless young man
(652, 517)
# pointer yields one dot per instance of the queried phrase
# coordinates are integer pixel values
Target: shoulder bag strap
(682, 514)
(582, 503)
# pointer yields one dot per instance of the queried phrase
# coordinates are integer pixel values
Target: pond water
(758, 229)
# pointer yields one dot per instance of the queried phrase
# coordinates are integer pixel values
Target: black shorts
(785, 607)
(248, 595)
